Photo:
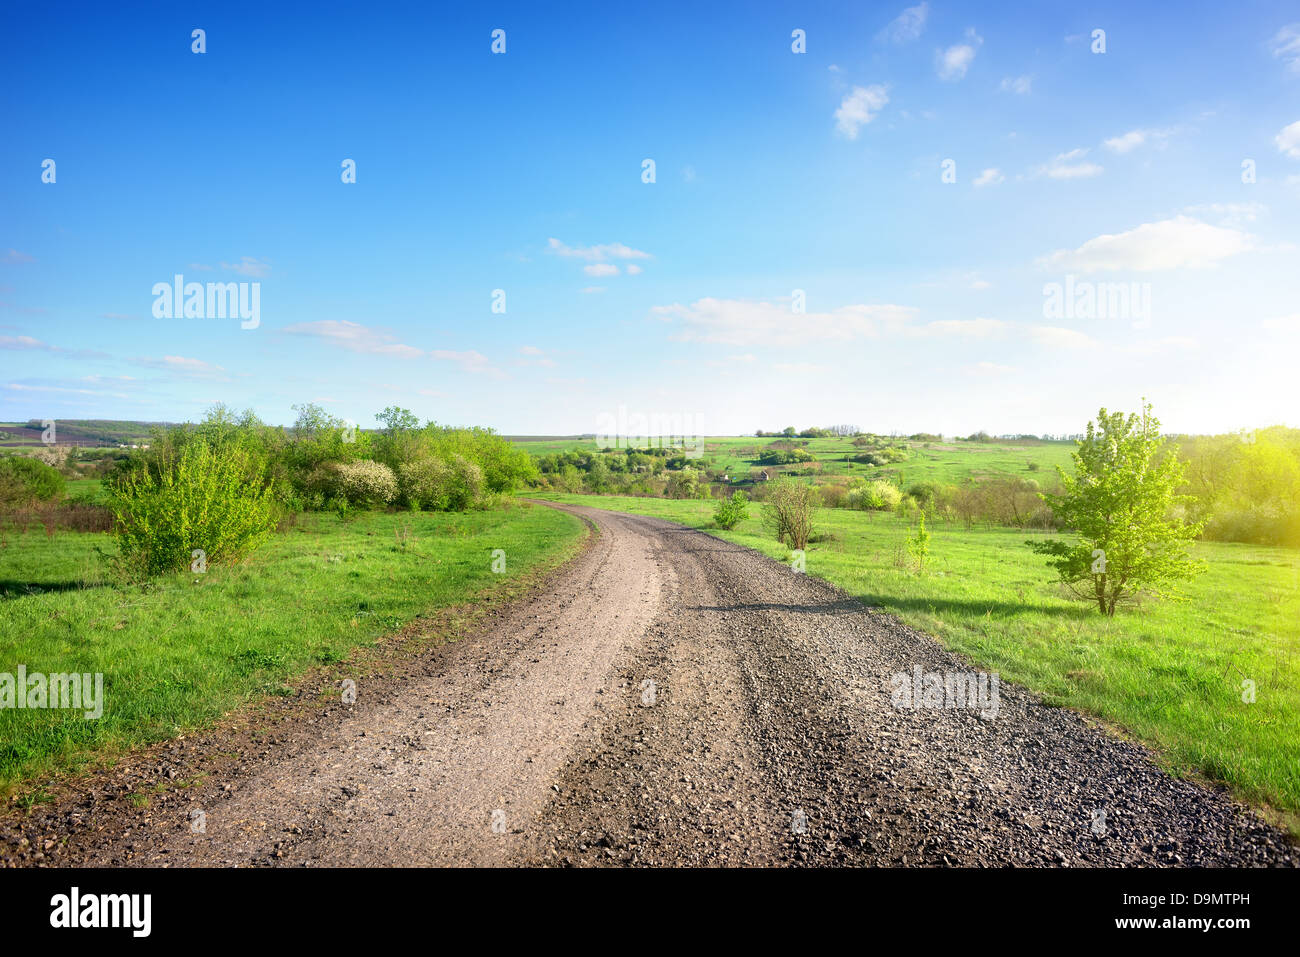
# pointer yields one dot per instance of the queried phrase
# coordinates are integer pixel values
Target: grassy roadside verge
(1170, 674)
(185, 649)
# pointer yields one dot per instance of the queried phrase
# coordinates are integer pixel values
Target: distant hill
(91, 433)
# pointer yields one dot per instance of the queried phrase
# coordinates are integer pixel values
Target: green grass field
(187, 648)
(1169, 673)
(945, 462)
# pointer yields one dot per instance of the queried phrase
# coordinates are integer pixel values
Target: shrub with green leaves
(193, 497)
(877, 495)
(731, 512)
(26, 481)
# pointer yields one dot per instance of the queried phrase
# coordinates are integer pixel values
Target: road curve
(673, 699)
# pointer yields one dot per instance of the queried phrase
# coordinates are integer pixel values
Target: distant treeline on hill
(95, 433)
(850, 431)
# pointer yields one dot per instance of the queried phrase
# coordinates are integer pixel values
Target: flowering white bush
(366, 482)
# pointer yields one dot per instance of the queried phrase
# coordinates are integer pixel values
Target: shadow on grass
(10, 588)
(975, 607)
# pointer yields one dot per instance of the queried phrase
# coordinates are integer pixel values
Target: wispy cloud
(748, 323)
(1071, 165)
(20, 387)
(907, 26)
(469, 361)
(979, 328)
(859, 107)
(185, 367)
(534, 356)
(27, 343)
(1286, 46)
(1178, 243)
(14, 256)
(1054, 337)
(989, 177)
(354, 337)
(248, 266)
(1016, 84)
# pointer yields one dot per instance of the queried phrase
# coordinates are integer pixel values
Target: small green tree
(1122, 501)
(919, 544)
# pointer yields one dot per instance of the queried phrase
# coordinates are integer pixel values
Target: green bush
(685, 484)
(196, 497)
(730, 513)
(876, 495)
(441, 485)
(25, 481)
(785, 457)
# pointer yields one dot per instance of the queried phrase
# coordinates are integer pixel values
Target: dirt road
(674, 699)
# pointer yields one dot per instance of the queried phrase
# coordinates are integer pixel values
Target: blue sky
(775, 171)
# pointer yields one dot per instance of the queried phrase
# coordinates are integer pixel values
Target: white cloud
(600, 269)
(1017, 84)
(1131, 140)
(1289, 323)
(1070, 166)
(907, 26)
(536, 357)
(989, 177)
(1178, 243)
(19, 387)
(591, 290)
(990, 368)
(1288, 141)
(633, 269)
(1228, 214)
(354, 337)
(597, 253)
(1149, 347)
(27, 343)
(953, 62)
(22, 343)
(797, 368)
(978, 328)
(248, 266)
(186, 367)
(860, 107)
(469, 361)
(747, 323)
(1286, 46)
(1054, 337)
(981, 284)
